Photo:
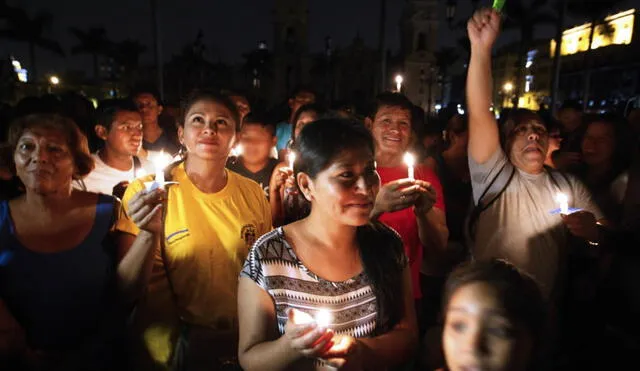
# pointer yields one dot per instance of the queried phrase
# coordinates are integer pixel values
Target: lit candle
(160, 161)
(236, 151)
(302, 318)
(563, 202)
(292, 159)
(410, 161)
(323, 318)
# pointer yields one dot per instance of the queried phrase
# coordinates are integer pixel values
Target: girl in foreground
(495, 318)
(333, 289)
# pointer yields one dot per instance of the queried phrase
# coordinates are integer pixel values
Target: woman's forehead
(43, 131)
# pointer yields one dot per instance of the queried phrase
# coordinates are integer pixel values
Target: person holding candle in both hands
(333, 290)
(287, 205)
(513, 192)
(411, 205)
(195, 237)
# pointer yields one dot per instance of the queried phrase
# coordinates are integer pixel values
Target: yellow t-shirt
(207, 238)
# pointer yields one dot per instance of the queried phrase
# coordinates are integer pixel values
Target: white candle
(563, 202)
(292, 159)
(410, 161)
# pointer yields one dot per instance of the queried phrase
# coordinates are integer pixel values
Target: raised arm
(484, 138)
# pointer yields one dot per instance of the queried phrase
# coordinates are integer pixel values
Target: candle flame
(409, 159)
(563, 201)
(292, 159)
(562, 198)
(323, 318)
(160, 160)
(237, 151)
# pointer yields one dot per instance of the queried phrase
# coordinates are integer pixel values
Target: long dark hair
(381, 249)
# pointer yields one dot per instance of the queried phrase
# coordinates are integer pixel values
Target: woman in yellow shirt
(197, 234)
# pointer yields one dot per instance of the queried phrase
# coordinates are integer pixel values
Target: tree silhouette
(594, 11)
(126, 54)
(94, 42)
(31, 30)
(525, 18)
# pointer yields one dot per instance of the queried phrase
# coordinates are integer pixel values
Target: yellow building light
(576, 39)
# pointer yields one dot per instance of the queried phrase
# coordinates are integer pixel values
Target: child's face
(478, 335)
(256, 143)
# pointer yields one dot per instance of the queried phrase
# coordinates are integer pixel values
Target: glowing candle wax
(292, 159)
(410, 161)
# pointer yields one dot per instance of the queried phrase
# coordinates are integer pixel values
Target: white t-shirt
(518, 226)
(103, 177)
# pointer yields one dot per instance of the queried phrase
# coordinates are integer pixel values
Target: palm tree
(525, 18)
(31, 30)
(594, 11)
(94, 42)
(446, 57)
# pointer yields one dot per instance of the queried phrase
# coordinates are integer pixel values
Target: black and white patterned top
(274, 266)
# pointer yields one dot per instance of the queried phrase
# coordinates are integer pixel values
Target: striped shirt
(273, 265)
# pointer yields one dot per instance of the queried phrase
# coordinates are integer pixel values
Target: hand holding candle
(305, 336)
(322, 318)
(410, 161)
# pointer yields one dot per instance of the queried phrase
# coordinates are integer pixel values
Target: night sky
(231, 27)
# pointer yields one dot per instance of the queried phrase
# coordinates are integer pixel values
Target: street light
(399, 80)
(508, 87)
(451, 11)
(54, 80)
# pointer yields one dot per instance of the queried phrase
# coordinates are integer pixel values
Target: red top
(404, 221)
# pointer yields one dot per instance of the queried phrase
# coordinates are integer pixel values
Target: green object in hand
(498, 4)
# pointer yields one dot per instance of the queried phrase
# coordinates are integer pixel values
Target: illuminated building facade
(618, 29)
(615, 66)
(535, 82)
(614, 61)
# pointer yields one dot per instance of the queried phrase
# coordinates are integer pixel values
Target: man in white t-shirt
(119, 124)
(515, 196)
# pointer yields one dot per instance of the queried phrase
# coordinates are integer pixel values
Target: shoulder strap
(480, 206)
(137, 165)
(555, 181)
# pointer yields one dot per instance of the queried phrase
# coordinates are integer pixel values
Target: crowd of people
(311, 242)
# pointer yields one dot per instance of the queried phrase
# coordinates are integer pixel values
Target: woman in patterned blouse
(333, 289)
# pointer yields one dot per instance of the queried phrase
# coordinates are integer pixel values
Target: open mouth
(392, 139)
